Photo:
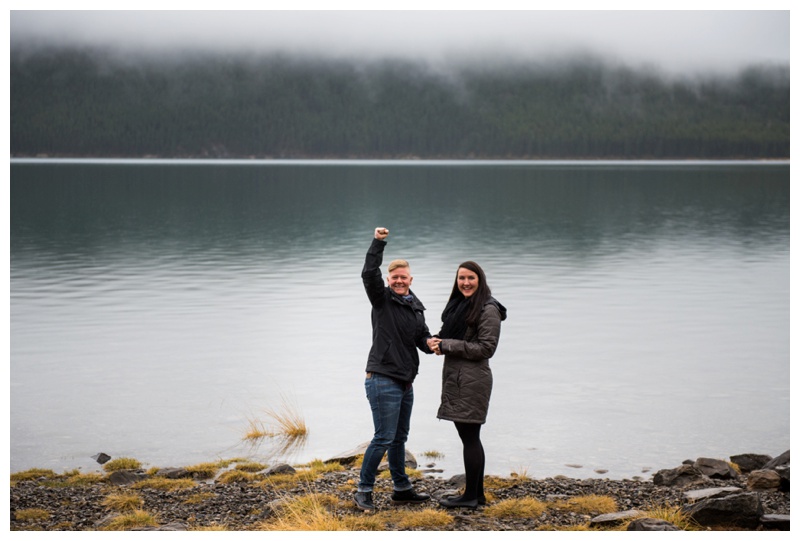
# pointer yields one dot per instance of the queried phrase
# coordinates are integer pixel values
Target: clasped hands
(433, 345)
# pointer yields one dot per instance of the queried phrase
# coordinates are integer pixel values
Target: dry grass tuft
(237, 476)
(424, 519)
(123, 502)
(494, 482)
(252, 467)
(256, 431)
(32, 475)
(315, 512)
(128, 521)
(122, 463)
(516, 508)
(673, 514)
(204, 470)
(290, 422)
(31, 515)
(592, 504)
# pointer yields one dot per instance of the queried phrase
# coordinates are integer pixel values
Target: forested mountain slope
(72, 102)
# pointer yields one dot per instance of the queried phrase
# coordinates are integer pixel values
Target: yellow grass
(432, 454)
(32, 474)
(123, 463)
(314, 512)
(521, 475)
(204, 470)
(199, 498)
(252, 467)
(31, 514)
(673, 514)
(516, 508)
(592, 504)
(123, 502)
(237, 476)
(289, 421)
(255, 431)
(128, 521)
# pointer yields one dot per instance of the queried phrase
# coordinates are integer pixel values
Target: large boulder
(685, 475)
(750, 461)
(738, 511)
(715, 468)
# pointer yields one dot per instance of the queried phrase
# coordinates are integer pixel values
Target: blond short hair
(397, 263)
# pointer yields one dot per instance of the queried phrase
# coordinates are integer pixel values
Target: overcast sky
(670, 41)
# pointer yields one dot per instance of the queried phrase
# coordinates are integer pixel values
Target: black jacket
(398, 326)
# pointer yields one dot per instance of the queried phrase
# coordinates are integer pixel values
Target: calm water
(157, 309)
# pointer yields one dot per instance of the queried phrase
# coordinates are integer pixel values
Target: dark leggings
(474, 459)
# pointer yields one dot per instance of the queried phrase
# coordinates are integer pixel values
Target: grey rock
(775, 522)
(280, 468)
(706, 493)
(651, 525)
(458, 481)
(763, 480)
(174, 473)
(101, 458)
(685, 475)
(715, 468)
(750, 461)
(349, 457)
(738, 510)
(780, 460)
(783, 471)
(609, 519)
(126, 477)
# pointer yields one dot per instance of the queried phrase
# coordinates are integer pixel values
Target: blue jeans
(391, 407)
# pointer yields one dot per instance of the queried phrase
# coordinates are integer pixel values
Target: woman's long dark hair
(481, 295)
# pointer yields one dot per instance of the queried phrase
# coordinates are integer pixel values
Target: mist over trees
(89, 103)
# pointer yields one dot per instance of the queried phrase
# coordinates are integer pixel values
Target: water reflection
(638, 296)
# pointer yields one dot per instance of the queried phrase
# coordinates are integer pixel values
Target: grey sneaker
(364, 501)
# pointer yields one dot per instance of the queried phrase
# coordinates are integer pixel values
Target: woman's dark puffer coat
(466, 376)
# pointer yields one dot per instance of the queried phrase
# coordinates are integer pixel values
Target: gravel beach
(249, 504)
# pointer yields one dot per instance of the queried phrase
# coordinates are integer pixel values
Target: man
(398, 328)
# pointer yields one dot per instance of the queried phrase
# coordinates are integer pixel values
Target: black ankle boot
(452, 503)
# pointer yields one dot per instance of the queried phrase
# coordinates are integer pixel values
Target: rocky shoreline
(749, 492)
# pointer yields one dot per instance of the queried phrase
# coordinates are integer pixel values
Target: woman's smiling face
(467, 281)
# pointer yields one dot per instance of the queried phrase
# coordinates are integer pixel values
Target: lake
(159, 309)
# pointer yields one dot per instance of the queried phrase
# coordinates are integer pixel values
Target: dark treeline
(70, 102)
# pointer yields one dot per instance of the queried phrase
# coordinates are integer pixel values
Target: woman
(469, 335)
